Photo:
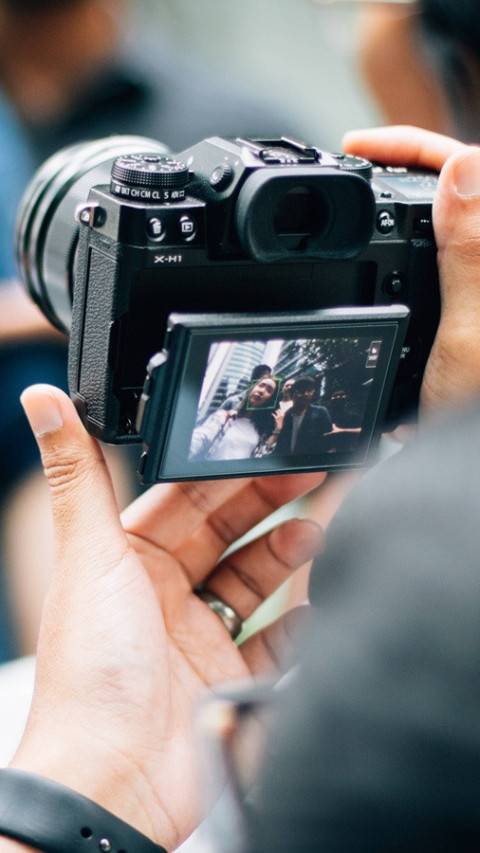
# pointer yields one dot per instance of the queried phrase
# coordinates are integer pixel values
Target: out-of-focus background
(299, 54)
(176, 70)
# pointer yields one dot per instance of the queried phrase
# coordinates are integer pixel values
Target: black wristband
(55, 819)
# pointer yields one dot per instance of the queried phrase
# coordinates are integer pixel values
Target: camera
(177, 277)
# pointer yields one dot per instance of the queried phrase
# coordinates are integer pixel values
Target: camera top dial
(348, 163)
(149, 177)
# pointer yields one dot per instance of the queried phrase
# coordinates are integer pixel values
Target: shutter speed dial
(149, 178)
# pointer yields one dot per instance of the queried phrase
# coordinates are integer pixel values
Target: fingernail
(467, 174)
(42, 411)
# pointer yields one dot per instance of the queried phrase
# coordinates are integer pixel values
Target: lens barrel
(46, 233)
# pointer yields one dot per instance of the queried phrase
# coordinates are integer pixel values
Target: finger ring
(227, 614)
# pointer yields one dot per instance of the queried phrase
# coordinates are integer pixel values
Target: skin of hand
(126, 648)
(279, 418)
(452, 374)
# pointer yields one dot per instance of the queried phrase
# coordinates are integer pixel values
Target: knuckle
(198, 493)
(468, 245)
(223, 529)
(248, 580)
(62, 475)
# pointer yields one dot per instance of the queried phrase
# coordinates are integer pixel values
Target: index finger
(402, 145)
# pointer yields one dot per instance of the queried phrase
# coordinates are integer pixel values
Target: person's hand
(452, 374)
(126, 647)
(278, 417)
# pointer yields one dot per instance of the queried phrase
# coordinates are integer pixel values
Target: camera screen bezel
(170, 399)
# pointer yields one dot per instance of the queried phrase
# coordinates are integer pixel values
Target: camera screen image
(294, 397)
(290, 396)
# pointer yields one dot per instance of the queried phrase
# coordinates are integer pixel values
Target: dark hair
(303, 383)
(451, 36)
(457, 19)
(259, 371)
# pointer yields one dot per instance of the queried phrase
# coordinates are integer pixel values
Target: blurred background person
(285, 402)
(73, 70)
(15, 167)
(95, 89)
(82, 69)
(421, 62)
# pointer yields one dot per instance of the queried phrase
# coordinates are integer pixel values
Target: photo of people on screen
(283, 397)
(236, 433)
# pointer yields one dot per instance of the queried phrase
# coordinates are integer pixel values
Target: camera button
(385, 222)
(188, 228)
(394, 285)
(156, 228)
(221, 177)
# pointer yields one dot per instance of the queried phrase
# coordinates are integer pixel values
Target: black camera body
(247, 237)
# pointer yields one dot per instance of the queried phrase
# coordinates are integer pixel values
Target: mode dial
(348, 163)
(149, 178)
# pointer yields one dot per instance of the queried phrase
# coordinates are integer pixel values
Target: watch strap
(53, 818)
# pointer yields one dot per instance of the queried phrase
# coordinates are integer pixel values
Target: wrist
(95, 749)
(108, 781)
(51, 817)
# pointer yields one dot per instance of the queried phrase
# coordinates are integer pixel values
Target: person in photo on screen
(236, 433)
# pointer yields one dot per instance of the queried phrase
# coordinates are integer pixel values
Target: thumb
(453, 370)
(87, 530)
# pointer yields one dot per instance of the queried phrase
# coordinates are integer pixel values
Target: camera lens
(299, 214)
(46, 233)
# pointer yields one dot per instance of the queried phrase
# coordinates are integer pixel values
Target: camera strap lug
(90, 214)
